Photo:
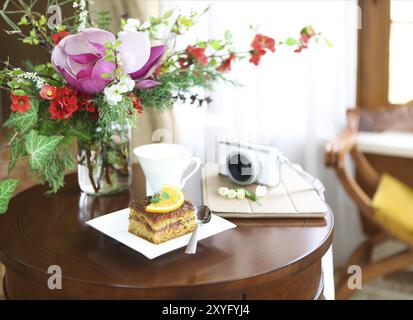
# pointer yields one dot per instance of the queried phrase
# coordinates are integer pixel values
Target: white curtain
(293, 101)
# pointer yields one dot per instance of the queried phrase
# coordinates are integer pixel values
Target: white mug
(164, 163)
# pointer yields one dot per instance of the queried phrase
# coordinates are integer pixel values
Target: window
(401, 52)
(385, 53)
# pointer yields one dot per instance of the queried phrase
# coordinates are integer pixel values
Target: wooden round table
(260, 259)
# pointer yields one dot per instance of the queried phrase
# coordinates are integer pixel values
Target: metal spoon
(203, 216)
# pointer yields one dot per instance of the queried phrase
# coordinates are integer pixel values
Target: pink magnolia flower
(80, 58)
(141, 76)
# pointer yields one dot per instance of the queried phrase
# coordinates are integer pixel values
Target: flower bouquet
(97, 83)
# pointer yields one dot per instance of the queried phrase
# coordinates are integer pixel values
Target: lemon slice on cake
(168, 199)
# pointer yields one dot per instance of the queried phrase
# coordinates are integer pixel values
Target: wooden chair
(336, 152)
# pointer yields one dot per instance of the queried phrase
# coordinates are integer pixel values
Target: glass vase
(104, 168)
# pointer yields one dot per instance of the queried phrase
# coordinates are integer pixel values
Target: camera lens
(242, 169)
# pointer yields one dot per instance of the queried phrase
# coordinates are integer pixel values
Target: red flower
(66, 91)
(86, 102)
(62, 109)
(226, 64)
(256, 57)
(305, 35)
(57, 37)
(19, 103)
(65, 104)
(197, 53)
(183, 63)
(93, 116)
(48, 92)
(259, 44)
(136, 103)
(262, 42)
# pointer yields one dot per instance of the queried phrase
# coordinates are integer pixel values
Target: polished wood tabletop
(259, 259)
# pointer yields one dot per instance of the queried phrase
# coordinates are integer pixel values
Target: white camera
(247, 163)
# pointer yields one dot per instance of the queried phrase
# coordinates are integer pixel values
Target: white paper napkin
(115, 225)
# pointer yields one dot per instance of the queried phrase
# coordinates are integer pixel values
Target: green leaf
(13, 84)
(23, 121)
(106, 75)
(202, 44)
(42, 20)
(155, 20)
(185, 21)
(110, 58)
(250, 195)
(7, 188)
(108, 45)
(39, 148)
(329, 44)
(167, 14)
(216, 44)
(291, 42)
(19, 92)
(165, 195)
(80, 132)
(28, 40)
(155, 198)
(23, 21)
(17, 150)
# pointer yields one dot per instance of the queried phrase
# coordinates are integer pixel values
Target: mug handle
(197, 162)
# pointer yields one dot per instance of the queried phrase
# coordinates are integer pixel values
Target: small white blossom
(82, 15)
(127, 84)
(131, 24)
(232, 194)
(113, 95)
(32, 76)
(223, 191)
(240, 194)
(261, 191)
(145, 25)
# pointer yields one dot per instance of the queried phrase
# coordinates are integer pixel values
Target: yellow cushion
(393, 204)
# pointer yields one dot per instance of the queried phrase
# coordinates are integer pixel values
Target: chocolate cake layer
(173, 225)
(136, 227)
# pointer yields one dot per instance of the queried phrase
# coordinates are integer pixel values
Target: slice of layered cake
(162, 217)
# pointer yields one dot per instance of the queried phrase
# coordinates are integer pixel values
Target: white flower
(32, 76)
(145, 25)
(232, 194)
(131, 25)
(240, 194)
(261, 191)
(127, 84)
(113, 95)
(81, 8)
(223, 191)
